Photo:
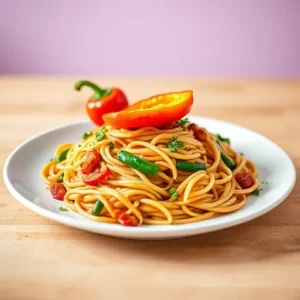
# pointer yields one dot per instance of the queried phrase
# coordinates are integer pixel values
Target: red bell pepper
(103, 101)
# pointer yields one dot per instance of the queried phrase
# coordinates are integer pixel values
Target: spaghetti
(199, 175)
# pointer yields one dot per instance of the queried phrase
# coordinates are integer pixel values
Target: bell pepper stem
(98, 92)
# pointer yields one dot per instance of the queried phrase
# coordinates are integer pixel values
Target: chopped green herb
(111, 145)
(51, 159)
(242, 153)
(60, 178)
(256, 192)
(174, 193)
(79, 145)
(86, 135)
(63, 209)
(174, 144)
(100, 134)
(98, 206)
(187, 149)
(183, 123)
(223, 139)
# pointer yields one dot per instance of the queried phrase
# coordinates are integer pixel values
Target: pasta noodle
(198, 195)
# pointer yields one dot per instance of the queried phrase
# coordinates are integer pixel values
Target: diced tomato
(58, 191)
(124, 219)
(245, 180)
(199, 133)
(98, 176)
(91, 162)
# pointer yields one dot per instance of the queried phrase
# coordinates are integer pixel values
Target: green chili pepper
(190, 166)
(138, 163)
(228, 162)
(63, 155)
(98, 206)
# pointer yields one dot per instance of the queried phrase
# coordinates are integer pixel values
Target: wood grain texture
(40, 259)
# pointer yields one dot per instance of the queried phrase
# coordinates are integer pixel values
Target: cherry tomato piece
(245, 180)
(58, 191)
(199, 132)
(91, 162)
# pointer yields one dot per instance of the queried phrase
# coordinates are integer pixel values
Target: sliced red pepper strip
(154, 111)
(124, 219)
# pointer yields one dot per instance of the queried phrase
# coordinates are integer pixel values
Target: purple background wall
(235, 38)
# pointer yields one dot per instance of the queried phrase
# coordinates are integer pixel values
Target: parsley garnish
(60, 178)
(183, 123)
(100, 134)
(63, 209)
(256, 192)
(174, 193)
(86, 135)
(223, 139)
(111, 145)
(174, 144)
(242, 153)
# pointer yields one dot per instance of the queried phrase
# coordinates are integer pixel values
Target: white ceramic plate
(22, 178)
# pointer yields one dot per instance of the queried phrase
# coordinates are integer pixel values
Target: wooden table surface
(40, 259)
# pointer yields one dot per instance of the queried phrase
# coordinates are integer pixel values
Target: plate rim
(168, 231)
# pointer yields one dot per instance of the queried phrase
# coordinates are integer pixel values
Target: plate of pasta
(150, 179)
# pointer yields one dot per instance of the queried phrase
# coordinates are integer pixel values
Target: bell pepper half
(154, 111)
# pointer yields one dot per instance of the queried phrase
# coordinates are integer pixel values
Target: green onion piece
(138, 163)
(60, 178)
(187, 166)
(228, 162)
(63, 155)
(223, 139)
(174, 193)
(86, 135)
(98, 206)
(99, 136)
